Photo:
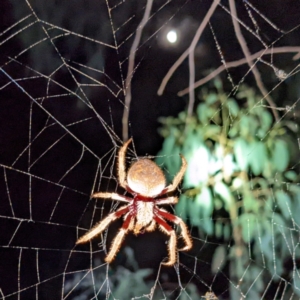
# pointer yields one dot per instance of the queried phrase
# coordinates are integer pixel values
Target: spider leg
(122, 165)
(166, 228)
(131, 224)
(116, 244)
(113, 196)
(178, 221)
(151, 227)
(168, 200)
(177, 178)
(99, 227)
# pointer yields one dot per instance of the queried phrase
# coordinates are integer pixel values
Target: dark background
(28, 232)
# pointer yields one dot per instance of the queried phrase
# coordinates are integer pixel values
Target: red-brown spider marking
(147, 183)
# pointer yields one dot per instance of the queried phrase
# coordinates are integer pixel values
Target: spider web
(77, 78)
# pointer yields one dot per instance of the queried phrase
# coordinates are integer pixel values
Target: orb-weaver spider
(147, 183)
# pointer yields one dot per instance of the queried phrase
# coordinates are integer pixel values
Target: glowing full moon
(172, 36)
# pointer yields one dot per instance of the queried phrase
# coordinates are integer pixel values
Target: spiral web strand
(68, 73)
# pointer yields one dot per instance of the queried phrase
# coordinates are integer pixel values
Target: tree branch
(189, 50)
(247, 54)
(131, 68)
(237, 63)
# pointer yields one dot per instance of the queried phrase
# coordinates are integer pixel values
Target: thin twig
(171, 71)
(131, 68)
(190, 49)
(237, 63)
(191, 55)
(247, 54)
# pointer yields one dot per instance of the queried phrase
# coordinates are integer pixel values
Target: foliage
(238, 159)
(125, 283)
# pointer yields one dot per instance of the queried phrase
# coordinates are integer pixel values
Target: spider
(147, 183)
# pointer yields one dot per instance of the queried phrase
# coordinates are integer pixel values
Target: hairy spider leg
(116, 244)
(99, 227)
(166, 228)
(122, 165)
(178, 221)
(177, 178)
(151, 227)
(113, 196)
(168, 200)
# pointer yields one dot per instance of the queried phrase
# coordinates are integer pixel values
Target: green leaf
(229, 166)
(200, 211)
(261, 133)
(266, 120)
(218, 83)
(182, 206)
(227, 232)
(280, 156)
(241, 150)
(174, 161)
(248, 224)
(297, 253)
(205, 201)
(194, 212)
(218, 229)
(219, 259)
(278, 265)
(284, 203)
(268, 170)
(202, 113)
(212, 131)
(191, 143)
(211, 111)
(211, 98)
(250, 203)
(198, 168)
(296, 282)
(169, 144)
(237, 183)
(232, 107)
(257, 157)
(254, 125)
(233, 131)
(169, 155)
(295, 191)
(207, 226)
(255, 276)
(224, 192)
(291, 175)
(266, 245)
(245, 125)
(182, 116)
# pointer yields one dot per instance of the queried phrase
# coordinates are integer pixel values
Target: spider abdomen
(146, 178)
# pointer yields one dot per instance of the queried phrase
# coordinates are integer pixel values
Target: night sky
(47, 168)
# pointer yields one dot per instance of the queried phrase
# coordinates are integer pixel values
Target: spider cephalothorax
(147, 183)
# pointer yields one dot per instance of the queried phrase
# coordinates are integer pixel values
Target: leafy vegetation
(238, 184)
(123, 282)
